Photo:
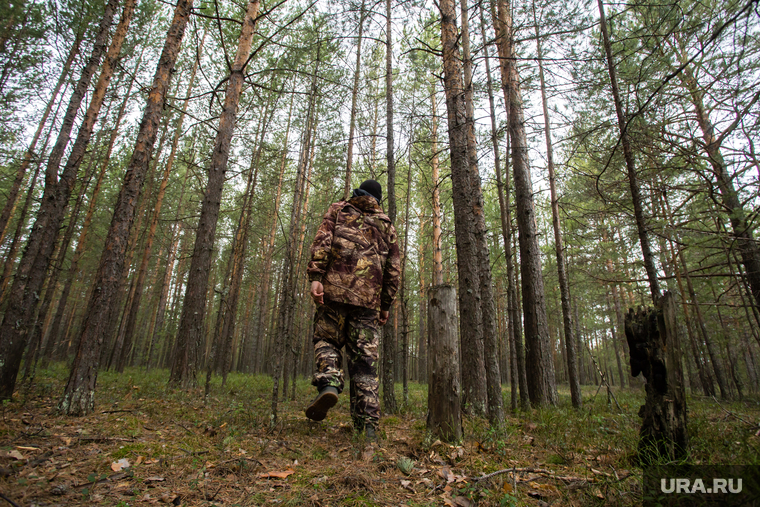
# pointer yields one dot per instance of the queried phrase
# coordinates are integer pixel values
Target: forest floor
(149, 445)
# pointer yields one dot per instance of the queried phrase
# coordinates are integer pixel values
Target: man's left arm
(391, 275)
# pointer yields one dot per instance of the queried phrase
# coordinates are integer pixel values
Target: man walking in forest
(354, 273)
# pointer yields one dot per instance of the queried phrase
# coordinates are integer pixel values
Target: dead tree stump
(444, 411)
(652, 335)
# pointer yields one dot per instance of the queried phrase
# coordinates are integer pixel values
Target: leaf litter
(170, 447)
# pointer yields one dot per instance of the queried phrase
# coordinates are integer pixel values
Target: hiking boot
(325, 400)
(370, 433)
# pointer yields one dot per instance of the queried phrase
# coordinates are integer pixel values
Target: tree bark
(30, 274)
(435, 170)
(542, 388)
(55, 330)
(142, 271)
(389, 334)
(10, 204)
(78, 396)
(653, 339)
(184, 366)
(470, 323)
(444, 406)
(747, 246)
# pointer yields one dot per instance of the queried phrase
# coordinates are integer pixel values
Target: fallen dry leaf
(408, 485)
(461, 501)
(118, 466)
(16, 455)
(153, 479)
(276, 475)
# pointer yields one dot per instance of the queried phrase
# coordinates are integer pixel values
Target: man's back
(355, 254)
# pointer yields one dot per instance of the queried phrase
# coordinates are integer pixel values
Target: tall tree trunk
(190, 330)
(493, 403)
(633, 181)
(134, 306)
(564, 286)
(402, 289)
(705, 378)
(240, 247)
(742, 228)
(10, 204)
(422, 345)
(435, 170)
(10, 257)
(389, 334)
(354, 94)
(261, 306)
(712, 349)
(514, 328)
(30, 275)
(282, 339)
(470, 322)
(114, 341)
(40, 326)
(55, 329)
(78, 396)
(542, 388)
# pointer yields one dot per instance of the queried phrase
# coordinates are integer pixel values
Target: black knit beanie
(374, 188)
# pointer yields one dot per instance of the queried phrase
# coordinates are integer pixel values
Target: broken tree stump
(655, 351)
(444, 410)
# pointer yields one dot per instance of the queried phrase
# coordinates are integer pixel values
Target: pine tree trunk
(10, 257)
(542, 388)
(493, 403)
(422, 348)
(564, 286)
(32, 269)
(261, 306)
(633, 182)
(475, 383)
(115, 337)
(184, 366)
(354, 94)
(10, 204)
(134, 306)
(492, 341)
(741, 226)
(514, 326)
(283, 339)
(389, 335)
(435, 174)
(78, 396)
(444, 406)
(470, 323)
(41, 324)
(55, 330)
(712, 349)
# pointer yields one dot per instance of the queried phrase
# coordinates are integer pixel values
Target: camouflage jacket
(355, 255)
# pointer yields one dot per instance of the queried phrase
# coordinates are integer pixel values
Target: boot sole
(318, 409)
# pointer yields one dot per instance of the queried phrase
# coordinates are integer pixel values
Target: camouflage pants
(356, 328)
